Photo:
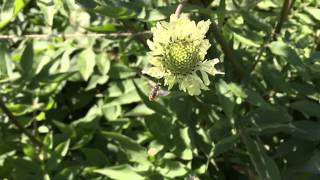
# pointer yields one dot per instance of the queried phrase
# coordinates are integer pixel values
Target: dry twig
(75, 35)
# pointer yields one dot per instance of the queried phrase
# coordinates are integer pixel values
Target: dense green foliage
(83, 98)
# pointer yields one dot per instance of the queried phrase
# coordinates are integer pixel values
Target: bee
(156, 90)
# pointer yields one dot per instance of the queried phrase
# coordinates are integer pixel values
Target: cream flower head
(178, 53)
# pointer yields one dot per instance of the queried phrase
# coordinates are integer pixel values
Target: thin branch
(287, 4)
(261, 51)
(179, 7)
(14, 120)
(75, 35)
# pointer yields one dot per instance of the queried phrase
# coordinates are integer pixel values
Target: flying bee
(156, 90)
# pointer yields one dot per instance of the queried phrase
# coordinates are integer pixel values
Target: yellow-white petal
(208, 66)
(156, 72)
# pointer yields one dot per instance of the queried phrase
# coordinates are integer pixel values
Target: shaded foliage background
(76, 104)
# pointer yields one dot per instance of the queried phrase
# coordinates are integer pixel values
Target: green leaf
(49, 9)
(103, 64)
(311, 165)
(140, 110)
(152, 15)
(57, 155)
(87, 4)
(135, 152)
(124, 92)
(246, 37)
(264, 165)
(307, 130)
(308, 108)
(95, 156)
(95, 80)
(10, 10)
(255, 22)
(86, 62)
(115, 12)
(225, 144)
(173, 169)
(274, 78)
(102, 28)
(182, 143)
(27, 62)
(255, 99)
(6, 66)
(314, 12)
(272, 128)
(226, 98)
(120, 71)
(154, 121)
(120, 172)
(111, 111)
(282, 49)
(245, 40)
(261, 116)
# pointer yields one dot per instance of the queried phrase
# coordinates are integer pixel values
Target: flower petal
(208, 66)
(205, 78)
(156, 72)
(155, 61)
(169, 80)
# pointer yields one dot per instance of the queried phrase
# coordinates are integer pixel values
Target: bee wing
(163, 92)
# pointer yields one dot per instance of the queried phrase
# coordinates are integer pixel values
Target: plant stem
(287, 4)
(14, 121)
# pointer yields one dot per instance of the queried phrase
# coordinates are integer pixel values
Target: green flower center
(181, 57)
